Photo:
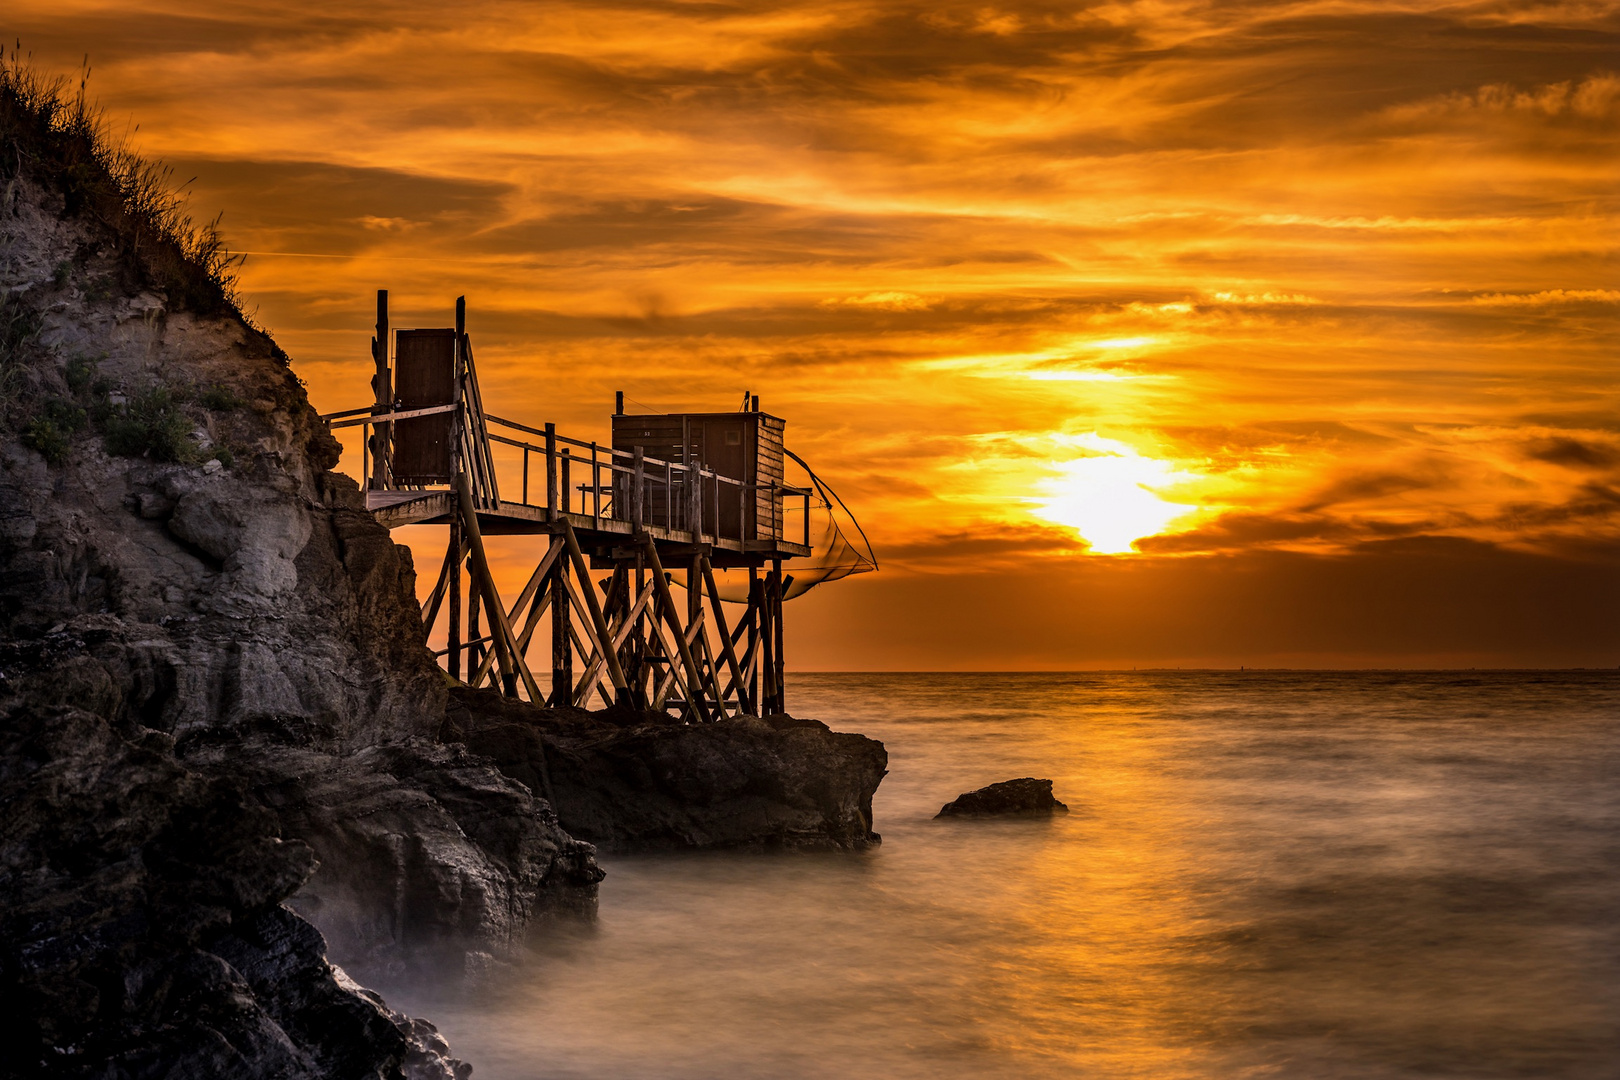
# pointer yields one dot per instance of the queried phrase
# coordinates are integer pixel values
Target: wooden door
(424, 376)
(725, 451)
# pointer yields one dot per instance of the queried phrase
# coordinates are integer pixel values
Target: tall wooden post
(767, 648)
(567, 483)
(755, 602)
(454, 616)
(562, 649)
(776, 626)
(694, 609)
(551, 472)
(458, 388)
(638, 489)
(383, 388)
(694, 589)
(475, 651)
(638, 637)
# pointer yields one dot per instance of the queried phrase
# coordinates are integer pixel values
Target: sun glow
(1112, 496)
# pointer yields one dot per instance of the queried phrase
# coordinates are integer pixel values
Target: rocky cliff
(214, 691)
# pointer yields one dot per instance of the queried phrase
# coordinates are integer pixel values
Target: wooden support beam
(767, 643)
(622, 629)
(638, 642)
(452, 563)
(383, 388)
(744, 622)
(475, 652)
(726, 648)
(510, 657)
(780, 674)
(712, 672)
(756, 639)
(562, 662)
(453, 635)
(673, 618)
(535, 586)
(677, 676)
(551, 472)
(598, 624)
(584, 650)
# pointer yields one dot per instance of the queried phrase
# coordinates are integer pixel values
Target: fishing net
(839, 547)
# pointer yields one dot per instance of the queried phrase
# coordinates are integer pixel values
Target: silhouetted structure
(687, 491)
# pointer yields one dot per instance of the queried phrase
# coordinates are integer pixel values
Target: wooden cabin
(745, 447)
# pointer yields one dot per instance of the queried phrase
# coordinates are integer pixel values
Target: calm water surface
(1264, 875)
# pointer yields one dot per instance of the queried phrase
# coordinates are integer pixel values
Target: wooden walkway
(397, 508)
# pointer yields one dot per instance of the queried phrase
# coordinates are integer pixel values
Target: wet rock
(142, 932)
(637, 782)
(1026, 797)
(427, 1055)
(427, 852)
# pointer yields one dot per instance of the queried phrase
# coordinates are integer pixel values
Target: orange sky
(1135, 333)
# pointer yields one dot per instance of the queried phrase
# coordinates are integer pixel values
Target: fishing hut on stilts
(697, 501)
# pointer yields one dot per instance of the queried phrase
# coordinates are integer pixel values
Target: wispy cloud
(1349, 265)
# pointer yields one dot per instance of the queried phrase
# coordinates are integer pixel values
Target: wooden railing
(614, 485)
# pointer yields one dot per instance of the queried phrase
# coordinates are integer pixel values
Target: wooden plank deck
(397, 508)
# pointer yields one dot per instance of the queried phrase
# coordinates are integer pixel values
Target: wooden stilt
(508, 655)
(776, 625)
(780, 677)
(750, 656)
(562, 665)
(451, 564)
(536, 599)
(672, 616)
(453, 657)
(475, 652)
(383, 389)
(638, 638)
(598, 625)
(726, 649)
(767, 648)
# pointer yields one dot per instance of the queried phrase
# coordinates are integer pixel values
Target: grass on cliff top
(51, 132)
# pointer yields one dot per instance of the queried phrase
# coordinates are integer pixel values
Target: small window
(733, 438)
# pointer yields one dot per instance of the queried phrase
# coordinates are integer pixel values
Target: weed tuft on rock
(151, 424)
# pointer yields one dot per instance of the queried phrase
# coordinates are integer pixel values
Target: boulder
(1025, 797)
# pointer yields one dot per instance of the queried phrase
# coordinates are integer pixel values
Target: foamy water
(1264, 874)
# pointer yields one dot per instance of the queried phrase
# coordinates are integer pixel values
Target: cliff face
(213, 686)
(254, 594)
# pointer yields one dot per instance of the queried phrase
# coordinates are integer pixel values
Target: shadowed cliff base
(633, 781)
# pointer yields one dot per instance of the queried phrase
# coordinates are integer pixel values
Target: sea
(1314, 875)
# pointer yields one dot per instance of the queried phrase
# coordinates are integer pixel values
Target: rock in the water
(639, 782)
(1026, 797)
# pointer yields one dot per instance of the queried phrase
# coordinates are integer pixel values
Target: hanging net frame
(839, 546)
